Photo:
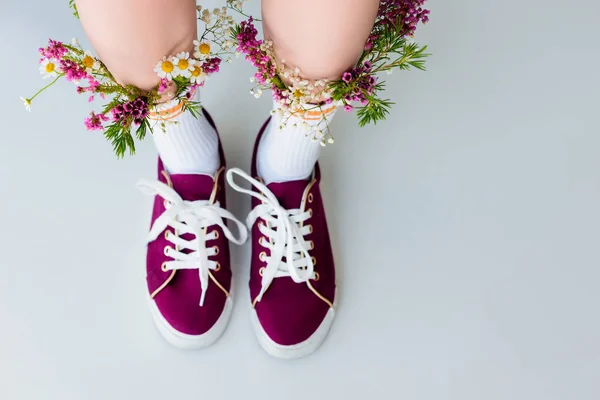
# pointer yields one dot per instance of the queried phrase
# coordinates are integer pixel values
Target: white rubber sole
(298, 350)
(191, 342)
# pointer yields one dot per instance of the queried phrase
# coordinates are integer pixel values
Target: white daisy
(27, 103)
(90, 63)
(201, 50)
(197, 75)
(164, 69)
(183, 65)
(49, 68)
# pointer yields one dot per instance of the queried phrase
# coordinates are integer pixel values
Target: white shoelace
(285, 232)
(190, 217)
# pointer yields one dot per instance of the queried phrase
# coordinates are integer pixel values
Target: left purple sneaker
(188, 264)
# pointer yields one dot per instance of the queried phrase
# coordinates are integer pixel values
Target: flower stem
(47, 86)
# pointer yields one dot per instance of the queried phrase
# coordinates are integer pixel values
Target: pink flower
(211, 65)
(54, 50)
(90, 99)
(73, 72)
(94, 122)
(164, 85)
(348, 108)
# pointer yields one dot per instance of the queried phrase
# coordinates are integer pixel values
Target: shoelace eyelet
(163, 267)
(166, 251)
(310, 228)
(167, 235)
(317, 276)
(310, 197)
(261, 271)
(310, 213)
(216, 234)
(311, 245)
(262, 256)
(314, 260)
(216, 248)
(218, 267)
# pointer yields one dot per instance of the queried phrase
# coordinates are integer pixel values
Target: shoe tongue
(290, 193)
(192, 187)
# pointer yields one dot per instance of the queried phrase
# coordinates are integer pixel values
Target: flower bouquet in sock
(389, 47)
(124, 117)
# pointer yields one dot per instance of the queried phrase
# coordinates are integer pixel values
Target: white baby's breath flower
(183, 65)
(201, 50)
(206, 16)
(164, 69)
(90, 63)
(49, 68)
(258, 92)
(75, 42)
(27, 103)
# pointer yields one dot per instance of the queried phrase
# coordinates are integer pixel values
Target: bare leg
(131, 36)
(322, 37)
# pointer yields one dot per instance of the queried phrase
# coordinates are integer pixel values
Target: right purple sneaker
(292, 273)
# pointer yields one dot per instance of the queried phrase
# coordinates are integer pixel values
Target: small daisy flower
(164, 69)
(27, 103)
(90, 63)
(201, 50)
(49, 68)
(197, 75)
(183, 65)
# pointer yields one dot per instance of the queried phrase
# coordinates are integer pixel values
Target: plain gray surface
(466, 227)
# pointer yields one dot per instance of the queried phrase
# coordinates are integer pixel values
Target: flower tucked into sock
(288, 151)
(187, 144)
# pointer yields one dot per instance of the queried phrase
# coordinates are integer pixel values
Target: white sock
(188, 145)
(290, 153)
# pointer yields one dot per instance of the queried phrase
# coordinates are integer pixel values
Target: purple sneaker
(188, 265)
(292, 274)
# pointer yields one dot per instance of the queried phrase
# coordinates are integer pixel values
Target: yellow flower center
(50, 67)
(88, 61)
(196, 72)
(298, 93)
(183, 64)
(204, 48)
(167, 67)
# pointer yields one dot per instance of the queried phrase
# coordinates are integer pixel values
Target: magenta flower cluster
(364, 85)
(131, 111)
(212, 65)
(94, 122)
(249, 45)
(404, 15)
(73, 71)
(54, 50)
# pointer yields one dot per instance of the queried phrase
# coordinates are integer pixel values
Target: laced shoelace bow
(285, 232)
(192, 217)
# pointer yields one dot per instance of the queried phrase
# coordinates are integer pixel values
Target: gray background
(466, 227)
